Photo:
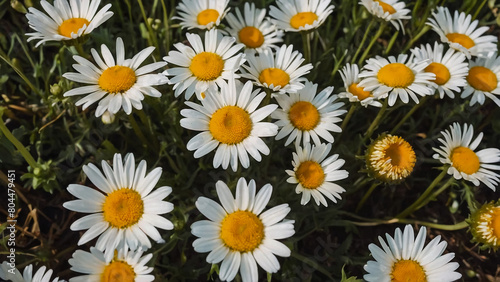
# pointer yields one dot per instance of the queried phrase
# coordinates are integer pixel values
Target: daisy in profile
(252, 29)
(202, 67)
(458, 151)
(230, 121)
(66, 21)
(123, 210)
(300, 15)
(353, 92)
(308, 115)
(278, 72)
(391, 11)
(406, 258)
(41, 275)
(115, 84)
(201, 14)
(483, 80)
(450, 69)
(484, 225)
(313, 173)
(397, 78)
(239, 234)
(461, 33)
(124, 266)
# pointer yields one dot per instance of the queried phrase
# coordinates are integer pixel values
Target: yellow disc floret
(304, 115)
(207, 66)
(441, 71)
(275, 77)
(461, 39)
(251, 37)
(407, 271)
(118, 271)
(465, 160)
(72, 26)
(117, 79)
(396, 75)
(230, 125)
(386, 7)
(242, 231)
(207, 16)
(482, 79)
(485, 225)
(310, 174)
(303, 18)
(123, 208)
(359, 92)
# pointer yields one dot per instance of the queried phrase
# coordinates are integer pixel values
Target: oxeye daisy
(66, 21)
(353, 92)
(115, 84)
(397, 78)
(230, 122)
(483, 80)
(278, 72)
(313, 173)
(458, 151)
(124, 266)
(299, 15)
(461, 33)
(484, 225)
(404, 258)
(253, 30)
(123, 210)
(389, 10)
(203, 67)
(450, 69)
(201, 14)
(308, 115)
(8, 273)
(239, 234)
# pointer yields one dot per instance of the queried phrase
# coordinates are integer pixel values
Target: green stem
(375, 222)
(374, 124)
(6, 59)
(367, 195)
(137, 130)
(81, 52)
(367, 31)
(409, 114)
(375, 37)
(307, 45)
(478, 10)
(313, 264)
(435, 194)
(415, 38)
(351, 111)
(152, 36)
(167, 26)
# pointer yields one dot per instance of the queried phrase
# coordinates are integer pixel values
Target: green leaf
(350, 279)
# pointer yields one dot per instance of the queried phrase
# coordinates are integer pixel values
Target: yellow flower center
(117, 79)
(303, 18)
(386, 7)
(304, 115)
(485, 225)
(391, 158)
(72, 26)
(310, 174)
(123, 208)
(495, 223)
(207, 66)
(461, 39)
(482, 79)
(359, 92)
(441, 71)
(242, 231)
(465, 160)
(230, 125)
(118, 271)
(407, 271)
(251, 37)
(274, 76)
(396, 75)
(207, 16)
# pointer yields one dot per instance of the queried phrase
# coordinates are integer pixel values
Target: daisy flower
(396, 78)
(461, 34)
(115, 84)
(201, 14)
(278, 72)
(484, 225)
(450, 69)
(306, 115)
(124, 210)
(65, 21)
(203, 67)
(483, 80)
(230, 122)
(313, 174)
(239, 234)
(253, 30)
(300, 15)
(124, 266)
(404, 258)
(353, 92)
(458, 151)
(388, 10)
(8, 272)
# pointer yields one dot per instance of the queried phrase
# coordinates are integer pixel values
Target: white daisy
(305, 115)
(66, 21)
(126, 211)
(388, 10)
(458, 151)
(201, 14)
(404, 258)
(239, 234)
(203, 67)
(253, 30)
(124, 266)
(350, 76)
(278, 72)
(8, 272)
(483, 80)
(313, 174)
(115, 84)
(461, 33)
(450, 69)
(299, 15)
(396, 78)
(230, 122)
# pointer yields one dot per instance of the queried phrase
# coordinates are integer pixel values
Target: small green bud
(18, 6)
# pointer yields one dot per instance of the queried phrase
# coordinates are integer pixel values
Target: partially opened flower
(300, 15)
(392, 11)
(7, 273)
(202, 14)
(483, 80)
(484, 225)
(239, 234)
(353, 92)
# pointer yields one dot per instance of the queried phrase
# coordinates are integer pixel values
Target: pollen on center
(117, 79)
(118, 271)
(441, 71)
(465, 160)
(310, 174)
(123, 208)
(304, 115)
(302, 19)
(396, 75)
(207, 16)
(251, 36)
(242, 231)
(482, 79)
(72, 25)
(230, 125)
(207, 66)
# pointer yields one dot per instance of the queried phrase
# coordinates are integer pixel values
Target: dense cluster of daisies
(230, 77)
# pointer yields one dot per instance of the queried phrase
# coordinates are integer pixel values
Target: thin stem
(374, 124)
(79, 49)
(375, 37)
(436, 193)
(367, 31)
(351, 111)
(137, 130)
(307, 45)
(409, 114)
(411, 43)
(152, 36)
(367, 195)
(4, 57)
(376, 221)
(479, 9)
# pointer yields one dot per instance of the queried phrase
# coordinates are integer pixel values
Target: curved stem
(376, 221)
(366, 196)
(352, 109)
(375, 37)
(409, 114)
(373, 125)
(367, 31)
